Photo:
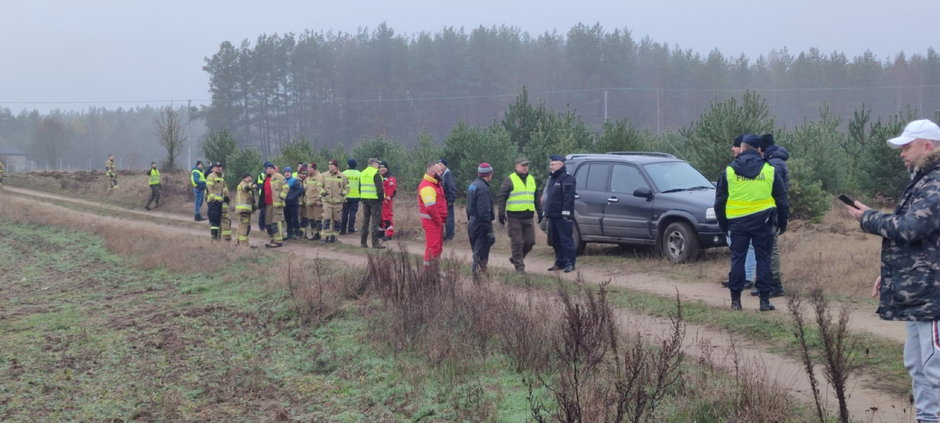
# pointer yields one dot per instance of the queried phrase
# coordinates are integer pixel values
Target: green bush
(808, 200)
(240, 161)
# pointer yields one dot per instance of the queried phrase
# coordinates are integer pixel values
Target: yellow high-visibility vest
(522, 196)
(197, 176)
(154, 177)
(367, 189)
(352, 177)
(747, 196)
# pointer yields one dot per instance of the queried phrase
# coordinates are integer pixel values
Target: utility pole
(605, 105)
(189, 130)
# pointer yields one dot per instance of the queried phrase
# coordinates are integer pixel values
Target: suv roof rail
(642, 153)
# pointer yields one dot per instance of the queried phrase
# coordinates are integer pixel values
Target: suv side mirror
(644, 193)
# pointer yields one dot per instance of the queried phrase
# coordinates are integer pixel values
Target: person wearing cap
(334, 195)
(215, 192)
(480, 219)
(111, 171)
(558, 207)
(432, 208)
(295, 190)
(750, 264)
(777, 156)
(244, 206)
(910, 255)
(273, 192)
(198, 179)
(389, 187)
(153, 180)
(371, 195)
(516, 205)
(449, 183)
(311, 214)
(750, 201)
(351, 206)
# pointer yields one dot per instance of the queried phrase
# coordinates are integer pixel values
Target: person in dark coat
(558, 206)
(777, 156)
(480, 219)
(750, 201)
(449, 183)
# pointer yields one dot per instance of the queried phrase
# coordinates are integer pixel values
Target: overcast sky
(73, 54)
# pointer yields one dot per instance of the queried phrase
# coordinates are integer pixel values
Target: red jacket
(431, 202)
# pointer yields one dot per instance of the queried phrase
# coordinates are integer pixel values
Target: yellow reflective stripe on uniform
(425, 216)
(747, 196)
(367, 190)
(522, 196)
(243, 207)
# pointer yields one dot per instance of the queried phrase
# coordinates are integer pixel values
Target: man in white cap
(910, 261)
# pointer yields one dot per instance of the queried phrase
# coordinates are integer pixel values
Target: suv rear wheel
(679, 242)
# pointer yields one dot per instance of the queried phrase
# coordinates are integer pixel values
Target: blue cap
(352, 163)
(268, 164)
(752, 140)
(443, 161)
(288, 169)
(556, 158)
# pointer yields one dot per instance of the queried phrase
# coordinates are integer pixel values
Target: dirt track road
(865, 403)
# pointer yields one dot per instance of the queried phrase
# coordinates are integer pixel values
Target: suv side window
(597, 179)
(581, 176)
(626, 179)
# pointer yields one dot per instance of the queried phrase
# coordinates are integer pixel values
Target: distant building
(14, 160)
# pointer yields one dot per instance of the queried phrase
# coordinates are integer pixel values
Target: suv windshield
(676, 176)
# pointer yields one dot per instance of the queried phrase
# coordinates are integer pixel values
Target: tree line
(340, 88)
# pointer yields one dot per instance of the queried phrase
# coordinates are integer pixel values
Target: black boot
(765, 304)
(776, 288)
(736, 300)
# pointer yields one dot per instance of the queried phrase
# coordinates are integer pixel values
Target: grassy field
(86, 335)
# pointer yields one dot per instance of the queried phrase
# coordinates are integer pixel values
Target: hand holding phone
(848, 201)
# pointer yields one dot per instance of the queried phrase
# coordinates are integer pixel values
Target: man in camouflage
(335, 188)
(909, 285)
(244, 206)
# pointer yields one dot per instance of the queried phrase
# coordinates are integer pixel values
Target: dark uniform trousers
(560, 234)
(371, 221)
(214, 212)
(348, 221)
(481, 239)
(763, 238)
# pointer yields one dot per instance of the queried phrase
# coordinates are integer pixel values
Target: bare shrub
(316, 290)
(591, 379)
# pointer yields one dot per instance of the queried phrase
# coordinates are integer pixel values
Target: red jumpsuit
(432, 207)
(389, 185)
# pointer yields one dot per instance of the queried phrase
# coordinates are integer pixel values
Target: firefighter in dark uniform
(750, 202)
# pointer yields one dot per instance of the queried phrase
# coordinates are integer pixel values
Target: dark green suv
(640, 198)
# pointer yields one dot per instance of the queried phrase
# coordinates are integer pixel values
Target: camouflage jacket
(910, 250)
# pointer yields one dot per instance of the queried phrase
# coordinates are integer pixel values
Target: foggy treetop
(337, 88)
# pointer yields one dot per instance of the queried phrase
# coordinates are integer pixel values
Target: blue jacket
(479, 202)
(559, 195)
(296, 190)
(777, 156)
(449, 184)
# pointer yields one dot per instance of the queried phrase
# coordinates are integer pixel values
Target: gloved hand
(502, 219)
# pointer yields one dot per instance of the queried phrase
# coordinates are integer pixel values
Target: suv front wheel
(679, 242)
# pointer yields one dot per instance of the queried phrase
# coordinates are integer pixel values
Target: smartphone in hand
(848, 201)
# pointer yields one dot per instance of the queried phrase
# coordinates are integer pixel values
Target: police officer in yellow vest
(750, 202)
(153, 179)
(516, 203)
(351, 206)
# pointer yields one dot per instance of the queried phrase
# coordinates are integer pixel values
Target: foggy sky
(124, 53)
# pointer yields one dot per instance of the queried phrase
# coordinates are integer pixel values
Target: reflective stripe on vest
(194, 180)
(215, 183)
(367, 184)
(747, 196)
(352, 176)
(522, 196)
(154, 177)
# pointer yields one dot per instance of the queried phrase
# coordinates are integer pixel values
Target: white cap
(918, 129)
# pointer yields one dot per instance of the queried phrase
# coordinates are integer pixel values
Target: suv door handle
(613, 200)
(577, 196)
